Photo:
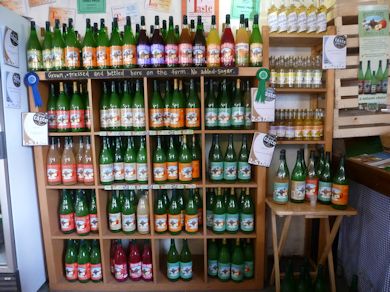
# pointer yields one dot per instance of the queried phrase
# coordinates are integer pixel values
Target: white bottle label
(282, 22)
(273, 21)
(128, 222)
(292, 22)
(143, 223)
(312, 22)
(302, 21)
(321, 22)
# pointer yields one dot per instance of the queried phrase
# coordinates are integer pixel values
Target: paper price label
(263, 111)
(262, 150)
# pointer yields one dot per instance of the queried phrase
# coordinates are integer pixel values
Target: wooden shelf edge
(300, 90)
(71, 187)
(301, 142)
(67, 134)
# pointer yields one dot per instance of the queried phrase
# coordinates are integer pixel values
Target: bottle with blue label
(224, 108)
(185, 262)
(244, 170)
(237, 266)
(211, 108)
(230, 162)
(325, 182)
(224, 262)
(216, 169)
(219, 213)
(212, 258)
(173, 263)
(247, 216)
(298, 180)
(281, 181)
(232, 213)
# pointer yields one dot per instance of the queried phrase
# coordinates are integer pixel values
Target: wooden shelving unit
(49, 195)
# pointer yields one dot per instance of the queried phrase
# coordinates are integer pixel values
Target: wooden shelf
(169, 186)
(67, 134)
(71, 187)
(120, 133)
(227, 132)
(300, 142)
(295, 39)
(174, 132)
(300, 90)
(123, 186)
(239, 234)
(181, 235)
(236, 184)
(74, 235)
(107, 234)
(231, 285)
(129, 285)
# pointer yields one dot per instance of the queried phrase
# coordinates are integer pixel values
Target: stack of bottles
(296, 72)
(178, 213)
(179, 266)
(77, 211)
(82, 261)
(70, 165)
(161, 48)
(375, 81)
(290, 18)
(230, 260)
(227, 213)
(230, 108)
(295, 124)
(136, 265)
(128, 212)
(229, 167)
(68, 111)
(311, 183)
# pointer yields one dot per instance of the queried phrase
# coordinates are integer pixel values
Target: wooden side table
(322, 212)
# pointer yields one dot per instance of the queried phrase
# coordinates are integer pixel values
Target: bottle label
(71, 271)
(192, 117)
(116, 56)
(69, 173)
(273, 21)
(160, 172)
(237, 272)
(223, 271)
(298, 190)
(248, 117)
(172, 170)
(185, 54)
(72, 57)
(58, 57)
(248, 269)
(274, 77)
(143, 55)
(238, 115)
(135, 270)
(308, 78)
(230, 170)
(242, 54)
(281, 131)
(89, 57)
(114, 221)
(298, 132)
(77, 119)
(211, 117)
(311, 188)
(102, 56)
(292, 22)
(54, 173)
(219, 222)
(199, 53)
(282, 22)
(84, 271)
(138, 117)
(317, 131)
(290, 132)
(384, 85)
(83, 224)
(156, 117)
(143, 223)
(51, 114)
(157, 54)
(312, 22)
(367, 86)
(224, 117)
(317, 78)
(119, 171)
(216, 170)
(128, 222)
(232, 222)
(299, 78)
(227, 54)
(34, 59)
(147, 271)
(212, 267)
(195, 169)
(104, 118)
(88, 173)
(63, 122)
(321, 22)
(94, 222)
(280, 194)
(247, 222)
(191, 223)
(307, 131)
(120, 271)
(302, 21)
(107, 173)
(129, 55)
(174, 222)
(67, 222)
(176, 117)
(160, 222)
(340, 194)
(166, 117)
(142, 172)
(256, 54)
(46, 59)
(130, 172)
(126, 115)
(171, 54)
(273, 130)
(244, 170)
(185, 171)
(213, 53)
(87, 118)
(324, 191)
(291, 78)
(186, 270)
(80, 173)
(209, 218)
(96, 272)
(114, 119)
(173, 270)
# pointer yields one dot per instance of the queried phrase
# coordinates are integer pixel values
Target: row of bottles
(82, 261)
(228, 213)
(312, 183)
(127, 213)
(375, 81)
(295, 124)
(233, 260)
(229, 167)
(179, 265)
(136, 265)
(302, 19)
(162, 48)
(70, 165)
(296, 72)
(77, 211)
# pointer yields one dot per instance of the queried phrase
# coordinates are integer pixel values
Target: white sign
(11, 48)
(262, 149)
(13, 83)
(334, 52)
(263, 111)
(35, 129)
(120, 12)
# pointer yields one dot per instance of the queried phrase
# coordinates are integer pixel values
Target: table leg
(276, 254)
(330, 258)
(330, 239)
(282, 242)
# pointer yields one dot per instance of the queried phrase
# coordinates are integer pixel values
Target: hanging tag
(263, 111)
(263, 76)
(35, 129)
(32, 79)
(262, 149)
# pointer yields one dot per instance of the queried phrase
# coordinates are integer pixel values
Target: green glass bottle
(232, 213)
(193, 108)
(180, 201)
(106, 161)
(88, 50)
(256, 44)
(84, 262)
(216, 168)
(72, 48)
(210, 201)
(156, 109)
(320, 162)
(237, 266)
(128, 214)
(199, 206)
(248, 259)
(66, 213)
(160, 214)
(288, 284)
(93, 218)
(385, 80)
(114, 120)
(159, 163)
(360, 78)
(211, 111)
(116, 43)
(185, 162)
(104, 108)
(367, 79)
(230, 162)
(138, 108)
(167, 103)
(185, 262)
(164, 30)
(196, 159)
(238, 109)
(177, 108)
(102, 47)
(96, 262)
(224, 262)
(302, 283)
(219, 214)
(325, 182)
(142, 163)
(212, 258)
(34, 50)
(130, 162)
(63, 120)
(166, 202)
(320, 283)
(58, 48)
(247, 104)
(126, 113)
(77, 109)
(340, 187)
(174, 215)
(47, 48)
(114, 212)
(247, 215)
(52, 109)
(172, 162)
(170, 40)
(70, 260)
(191, 222)
(379, 77)
(82, 220)
(281, 181)
(224, 108)
(244, 171)
(173, 262)
(119, 168)
(298, 181)
(129, 46)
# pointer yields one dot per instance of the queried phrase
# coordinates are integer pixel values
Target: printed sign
(248, 8)
(91, 6)
(11, 48)
(334, 52)
(61, 13)
(130, 9)
(204, 8)
(262, 150)
(33, 3)
(263, 111)
(35, 129)
(14, 5)
(13, 83)
(158, 5)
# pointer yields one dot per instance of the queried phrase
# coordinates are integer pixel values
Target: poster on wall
(12, 85)
(91, 6)
(374, 55)
(34, 3)
(11, 47)
(247, 7)
(158, 5)
(14, 5)
(204, 8)
(130, 9)
(61, 13)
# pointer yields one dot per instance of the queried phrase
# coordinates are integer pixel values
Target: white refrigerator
(21, 249)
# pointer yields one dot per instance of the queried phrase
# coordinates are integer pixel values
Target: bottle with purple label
(143, 47)
(199, 45)
(157, 50)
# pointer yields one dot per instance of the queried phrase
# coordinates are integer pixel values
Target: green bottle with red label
(72, 48)
(106, 162)
(77, 109)
(114, 209)
(84, 262)
(66, 213)
(82, 221)
(96, 262)
(70, 260)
